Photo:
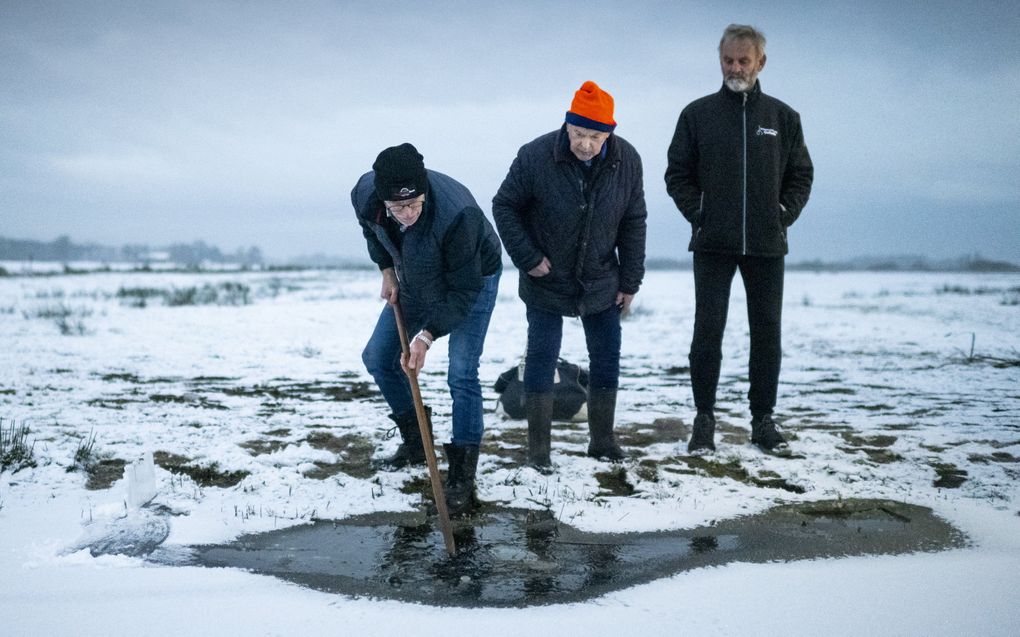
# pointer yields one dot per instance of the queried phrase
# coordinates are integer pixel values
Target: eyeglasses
(400, 207)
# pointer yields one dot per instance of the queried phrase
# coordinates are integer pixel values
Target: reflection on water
(601, 562)
(513, 557)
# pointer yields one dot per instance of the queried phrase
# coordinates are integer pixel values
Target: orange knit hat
(592, 108)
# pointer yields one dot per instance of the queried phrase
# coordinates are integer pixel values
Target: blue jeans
(382, 359)
(545, 334)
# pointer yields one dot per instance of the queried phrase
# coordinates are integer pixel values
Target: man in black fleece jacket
(739, 172)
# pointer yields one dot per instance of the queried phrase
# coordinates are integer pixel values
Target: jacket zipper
(743, 249)
(701, 214)
(587, 192)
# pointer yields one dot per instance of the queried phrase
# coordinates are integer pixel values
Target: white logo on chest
(767, 131)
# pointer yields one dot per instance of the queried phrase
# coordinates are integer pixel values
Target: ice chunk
(141, 481)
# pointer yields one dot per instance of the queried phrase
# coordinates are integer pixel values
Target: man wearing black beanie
(441, 258)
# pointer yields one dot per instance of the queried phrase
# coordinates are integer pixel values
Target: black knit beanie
(400, 173)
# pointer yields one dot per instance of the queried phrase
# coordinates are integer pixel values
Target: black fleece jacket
(739, 172)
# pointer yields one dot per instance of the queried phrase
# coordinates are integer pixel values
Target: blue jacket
(441, 259)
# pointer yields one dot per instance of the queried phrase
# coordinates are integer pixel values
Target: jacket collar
(561, 149)
(752, 95)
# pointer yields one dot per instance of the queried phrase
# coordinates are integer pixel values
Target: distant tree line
(63, 250)
(909, 263)
(971, 263)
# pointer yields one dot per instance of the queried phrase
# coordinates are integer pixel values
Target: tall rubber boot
(411, 451)
(539, 407)
(461, 497)
(601, 418)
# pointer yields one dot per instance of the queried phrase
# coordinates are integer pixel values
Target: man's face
(741, 63)
(406, 212)
(585, 143)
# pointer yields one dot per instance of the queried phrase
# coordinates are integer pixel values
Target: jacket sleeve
(797, 177)
(462, 270)
(509, 206)
(362, 203)
(682, 169)
(376, 251)
(630, 237)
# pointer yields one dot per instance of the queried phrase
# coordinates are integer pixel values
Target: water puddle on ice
(514, 558)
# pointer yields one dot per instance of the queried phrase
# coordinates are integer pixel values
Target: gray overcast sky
(247, 123)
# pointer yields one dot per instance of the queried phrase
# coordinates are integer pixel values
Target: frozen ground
(250, 392)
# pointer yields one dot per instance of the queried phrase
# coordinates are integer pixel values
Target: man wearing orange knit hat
(571, 214)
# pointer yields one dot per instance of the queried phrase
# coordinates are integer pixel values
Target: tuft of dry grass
(16, 453)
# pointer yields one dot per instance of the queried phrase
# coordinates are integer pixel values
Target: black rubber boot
(703, 437)
(460, 478)
(764, 434)
(539, 408)
(601, 418)
(411, 451)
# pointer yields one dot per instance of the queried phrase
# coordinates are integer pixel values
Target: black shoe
(764, 434)
(460, 478)
(610, 452)
(702, 438)
(411, 451)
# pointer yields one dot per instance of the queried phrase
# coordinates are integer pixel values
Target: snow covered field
(249, 390)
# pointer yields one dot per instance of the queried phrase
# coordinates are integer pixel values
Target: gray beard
(737, 85)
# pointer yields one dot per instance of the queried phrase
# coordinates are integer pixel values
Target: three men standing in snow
(571, 214)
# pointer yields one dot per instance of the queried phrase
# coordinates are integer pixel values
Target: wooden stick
(426, 438)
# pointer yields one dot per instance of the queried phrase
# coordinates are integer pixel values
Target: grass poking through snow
(16, 453)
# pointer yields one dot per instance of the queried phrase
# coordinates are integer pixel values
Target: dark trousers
(763, 284)
(602, 334)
